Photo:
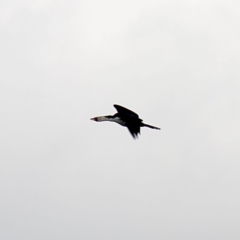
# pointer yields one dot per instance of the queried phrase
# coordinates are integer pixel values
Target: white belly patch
(119, 121)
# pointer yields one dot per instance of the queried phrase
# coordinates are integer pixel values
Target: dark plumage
(126, 118)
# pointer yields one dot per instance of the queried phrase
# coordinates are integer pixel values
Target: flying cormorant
(126, 118)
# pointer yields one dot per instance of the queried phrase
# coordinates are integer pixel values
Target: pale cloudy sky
(176, 63)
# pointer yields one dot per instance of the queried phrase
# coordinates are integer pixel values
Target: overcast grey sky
(176, 63)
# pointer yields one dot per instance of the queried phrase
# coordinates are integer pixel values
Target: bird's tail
(146, 125)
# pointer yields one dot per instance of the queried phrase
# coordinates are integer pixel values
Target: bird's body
(126, 118)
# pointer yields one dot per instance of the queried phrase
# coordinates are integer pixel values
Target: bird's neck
(104, 118)
(109, 118)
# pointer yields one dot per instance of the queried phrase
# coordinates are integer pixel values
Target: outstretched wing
(131, 119)
(134, 130)
(125, 111)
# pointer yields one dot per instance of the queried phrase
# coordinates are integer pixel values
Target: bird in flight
(126, 118)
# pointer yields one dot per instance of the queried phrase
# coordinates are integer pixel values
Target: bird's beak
(94, 119)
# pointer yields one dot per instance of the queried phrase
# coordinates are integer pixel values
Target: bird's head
(94, 119)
